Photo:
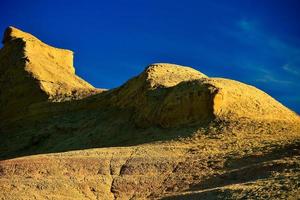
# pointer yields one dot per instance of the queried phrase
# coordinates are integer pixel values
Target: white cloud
(245, 25)
(291, 69)
(252, 33)
(271, 79)
(267, 76)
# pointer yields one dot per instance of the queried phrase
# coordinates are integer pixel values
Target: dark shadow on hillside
(251, 168)
(204, 195)
(78, 125)
(243, 171)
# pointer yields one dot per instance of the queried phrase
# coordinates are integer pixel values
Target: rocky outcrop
(32, 71)
(167, 95)
(170, 95)
(169, 133)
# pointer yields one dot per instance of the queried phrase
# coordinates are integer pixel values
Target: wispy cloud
(261, 38)
(270, 47)
(272, 79)
(265, 75)
(289, 68)
(246, 25)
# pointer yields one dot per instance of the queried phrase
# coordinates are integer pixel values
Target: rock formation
(169, 133)
(171, 95)
(32, 71)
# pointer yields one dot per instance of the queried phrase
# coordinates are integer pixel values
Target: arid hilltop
(169, 133)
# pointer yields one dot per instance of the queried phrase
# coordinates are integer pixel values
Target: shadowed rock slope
(169, 133)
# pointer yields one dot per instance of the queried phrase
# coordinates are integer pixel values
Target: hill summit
(171, 132)
(32, 71)
(163, 94)
(169, 94)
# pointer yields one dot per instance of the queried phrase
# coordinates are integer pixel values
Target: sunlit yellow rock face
(172, 95)
(39, 51)
(32, 71)
(50, 67)
(171, 132)
(234, 100)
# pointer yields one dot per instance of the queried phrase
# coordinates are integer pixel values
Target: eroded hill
(169, 133)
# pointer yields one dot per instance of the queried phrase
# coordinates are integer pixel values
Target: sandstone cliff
(169, 133)
(32, 71)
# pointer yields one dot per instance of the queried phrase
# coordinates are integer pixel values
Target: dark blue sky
(256, 42)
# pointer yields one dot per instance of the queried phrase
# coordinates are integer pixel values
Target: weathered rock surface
(170, 95)
(169, 133)
(32, 71)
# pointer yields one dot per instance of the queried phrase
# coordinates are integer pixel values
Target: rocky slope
(169, 133)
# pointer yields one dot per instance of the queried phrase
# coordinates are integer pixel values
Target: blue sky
(256, 42)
